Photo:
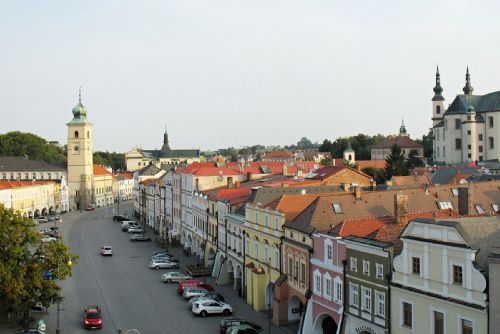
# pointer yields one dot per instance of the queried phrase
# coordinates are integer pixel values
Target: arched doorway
(294, 309)
(230, 271)
(189, 242)
(237, 280)
(269, 296)
(52, 210)
(37, 213)
(45, 211)
(325, 324)
(211, 257)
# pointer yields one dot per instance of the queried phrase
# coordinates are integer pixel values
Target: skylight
(337, 208)
(445, 205)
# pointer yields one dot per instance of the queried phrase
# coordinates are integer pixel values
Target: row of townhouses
(324, 250)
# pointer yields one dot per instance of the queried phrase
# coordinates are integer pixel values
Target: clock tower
(80, 159)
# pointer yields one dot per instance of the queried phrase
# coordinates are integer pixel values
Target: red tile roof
(279, 154)
(234, 196)
(148, 181)
(7, 184)
(214, 171)
(99, 170)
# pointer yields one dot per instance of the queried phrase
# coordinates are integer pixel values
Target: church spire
(80, 95)
(402, 129)
(165, 149)
(468, 89)
(438, 90)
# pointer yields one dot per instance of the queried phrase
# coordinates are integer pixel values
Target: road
(129, 293)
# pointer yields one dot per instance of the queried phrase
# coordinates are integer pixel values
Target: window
(480, 137)
(454, 191)
(407, 315)
(256, 250)
(415, 266)
(267, 220)
(458, 123)
(495, 207)
(438, 110)
(479, 209)
(290, 266)
(379, 270)
(491, 141)
(76, 134)
(438, 322)
(469, 155)
(317, 283)
(256, 217)
(437, 134)
(468, 132)
(276, 223)
(337, 290)
(458, 144)
(469, 147)
(354, 264)
(353, 295)
(366, 267)
(380, 304)
(437, 151)
(337, 208)
(445, 205)
(327, 287)
(366, 302)
(247, 246)
(302, 272)
(276, 258)
(480, 149)
(34, 176)
(329, 251)
(466, 326)
(266, 253)
(26, 176)
(444, 152)
(296, 270)
(457, 275)
(490, 121)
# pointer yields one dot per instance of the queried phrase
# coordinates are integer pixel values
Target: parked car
(207, 307)
(162, 263)
(170, 258)
(48, 238)
(193, 292)
(106, 251)
(135, 230)
(209, 295)
(192, 283)
(244, 329)
(128, 224)
(139, 238)
(90, 207)
(174, 276)
(29, 331)
(234, 321)
(42, 220)
(119, 218)
(92, 317)
(162, 252)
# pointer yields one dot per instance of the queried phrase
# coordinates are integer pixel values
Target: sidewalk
(240, 307)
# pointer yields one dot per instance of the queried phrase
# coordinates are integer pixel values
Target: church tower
(437, 100)
(80, 159)
(349, 154)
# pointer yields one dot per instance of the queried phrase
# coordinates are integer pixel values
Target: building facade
(469, 128)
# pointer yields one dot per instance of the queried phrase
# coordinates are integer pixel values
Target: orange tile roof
(279, 154)
(8, 184)
(234, 196)
(126, 175)
(379, 164)
(148, 181)
(292, 205)
(99, 170)
(215, 171)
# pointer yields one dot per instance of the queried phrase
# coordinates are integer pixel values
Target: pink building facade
(325, 307)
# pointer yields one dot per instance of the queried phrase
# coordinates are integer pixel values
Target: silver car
(162, 263)
(193, 292)
(174, 276)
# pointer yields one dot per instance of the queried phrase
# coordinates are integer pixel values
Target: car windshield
(93, 315)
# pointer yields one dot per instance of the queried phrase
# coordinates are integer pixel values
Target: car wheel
(157, 267)
(203, 314)
(226, 312)
(174, 266)
(169, 281)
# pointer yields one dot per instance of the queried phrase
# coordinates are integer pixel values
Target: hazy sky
(236, 73)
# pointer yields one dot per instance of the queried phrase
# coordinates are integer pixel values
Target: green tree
(426, 142)
(414, 160)
(18, 143)
(361, 144)
(377, 174)
(24, 259)
(326, 162)
(113, 159)
(395, 164)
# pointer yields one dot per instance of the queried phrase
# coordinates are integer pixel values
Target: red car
(92, 317)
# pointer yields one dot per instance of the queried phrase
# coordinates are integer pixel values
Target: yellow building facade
(263, 232)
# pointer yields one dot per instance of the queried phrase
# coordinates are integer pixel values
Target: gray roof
(481, 103)
(443, 176)
(149, 170)
(171, 154)
(370, 242)
(8, 163)
(266, 195)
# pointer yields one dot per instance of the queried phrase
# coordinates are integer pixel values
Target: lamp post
(58, 330)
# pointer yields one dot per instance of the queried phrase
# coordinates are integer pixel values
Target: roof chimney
(249, 176)
(373, 185)
(285, 169)
(345, 186)
(237, 184)
(465, 201)
(229, 182)
(401, 208)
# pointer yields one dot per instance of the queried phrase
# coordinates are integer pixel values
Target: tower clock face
(77, 148)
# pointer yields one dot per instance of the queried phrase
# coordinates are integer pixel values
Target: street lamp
(58, 330)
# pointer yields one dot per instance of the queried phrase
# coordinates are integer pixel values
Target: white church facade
(469, 129)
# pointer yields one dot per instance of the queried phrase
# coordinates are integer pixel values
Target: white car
(206, 307)
(174, 276)
(162, 263)
(106, 251)
(48, 239)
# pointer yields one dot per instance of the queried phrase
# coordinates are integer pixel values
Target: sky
(238, 73)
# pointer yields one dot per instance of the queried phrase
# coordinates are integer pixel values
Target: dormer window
(337, 208)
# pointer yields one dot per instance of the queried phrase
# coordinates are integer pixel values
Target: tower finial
(402, 129)
(80, 95)
(468, 89)
(438, 90)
